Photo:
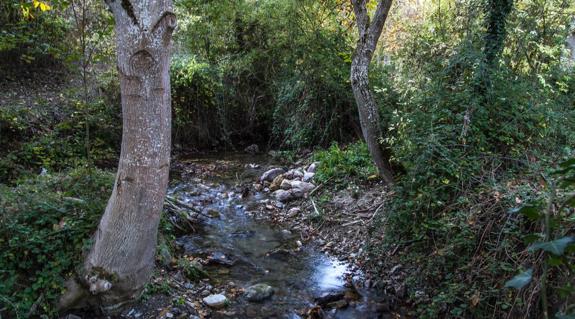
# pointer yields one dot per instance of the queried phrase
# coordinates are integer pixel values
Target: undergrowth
(341, 164)
(45, 226)
(33, 140)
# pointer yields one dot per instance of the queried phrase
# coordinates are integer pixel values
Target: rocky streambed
(252, 265)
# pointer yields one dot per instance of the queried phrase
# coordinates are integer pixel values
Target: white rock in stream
(259, 292)
(294, 174)
(216, 301)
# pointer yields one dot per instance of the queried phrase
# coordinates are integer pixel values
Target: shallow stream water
(256, 251)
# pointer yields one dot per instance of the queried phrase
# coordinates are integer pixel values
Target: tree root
(75, 296)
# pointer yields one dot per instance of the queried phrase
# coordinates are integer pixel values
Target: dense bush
(339, 165)
(279, 77)
(195, 86)
(473, 138)
(30, 35)
(62, 143)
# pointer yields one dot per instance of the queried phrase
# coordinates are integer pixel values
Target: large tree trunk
(369, 33)
(122, 257)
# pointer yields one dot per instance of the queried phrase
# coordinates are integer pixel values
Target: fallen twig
(319, 186)
(352, 223)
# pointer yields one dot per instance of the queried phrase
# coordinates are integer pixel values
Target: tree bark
(369, 33)
(122, 257)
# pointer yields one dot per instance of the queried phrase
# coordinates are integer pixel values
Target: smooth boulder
(269, 175)
(216, 301)
(302, 186)
(294, 174)
(285, 184)
(283, 195)
(258, 292)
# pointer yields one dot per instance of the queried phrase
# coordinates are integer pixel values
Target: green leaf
(568, 163)
(520, 280)
(531, 238)
(556, 247)
(554, 261)
(528, 211)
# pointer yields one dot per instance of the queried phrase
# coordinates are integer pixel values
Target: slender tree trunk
(369, 33)
(122, 257)
(571, 45)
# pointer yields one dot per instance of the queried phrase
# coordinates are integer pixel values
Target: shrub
(340, 165)
(194, 103)
(470, 151)
(61, 144)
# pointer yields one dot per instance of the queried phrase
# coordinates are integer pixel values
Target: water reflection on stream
(257, 251)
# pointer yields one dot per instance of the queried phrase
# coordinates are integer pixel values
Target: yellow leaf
(44, 6)
(26, 12)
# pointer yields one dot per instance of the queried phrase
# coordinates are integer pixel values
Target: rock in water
(271, 174)
(216, 301)
(329, 297)
(259, 292)
(220, 258)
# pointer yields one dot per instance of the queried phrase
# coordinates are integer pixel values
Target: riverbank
(243, 241)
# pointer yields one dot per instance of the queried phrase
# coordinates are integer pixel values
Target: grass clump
(342, 164)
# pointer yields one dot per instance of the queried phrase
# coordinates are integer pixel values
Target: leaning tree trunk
(369, 33)
(122, 257)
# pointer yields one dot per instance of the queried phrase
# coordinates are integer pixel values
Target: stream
(247, 250)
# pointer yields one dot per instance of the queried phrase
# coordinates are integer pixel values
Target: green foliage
(340, 165)
(45, 225)
(62, 144)
(155, 288)
(553, 210)
(270, 70)
(195, 86)
(469, 150)
(30, 34)
(191, 269)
